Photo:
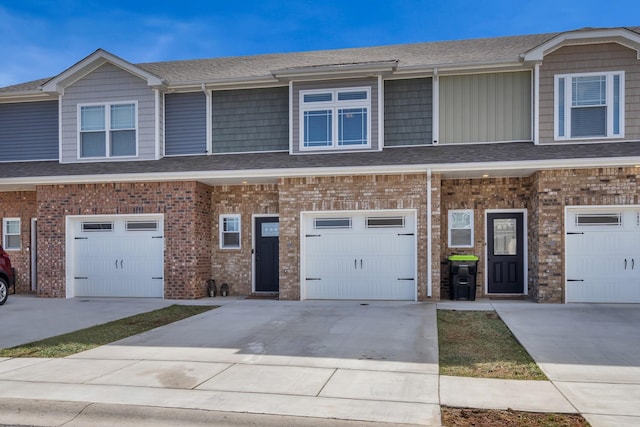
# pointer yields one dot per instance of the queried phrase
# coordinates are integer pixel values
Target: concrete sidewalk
(294, 363)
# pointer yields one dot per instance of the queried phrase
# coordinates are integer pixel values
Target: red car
(6, 276)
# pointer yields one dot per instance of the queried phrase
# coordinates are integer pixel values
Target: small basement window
(608, 219)
(461, 228)
(97, 226)
(331, 223)
(142, 225)
(385, 222)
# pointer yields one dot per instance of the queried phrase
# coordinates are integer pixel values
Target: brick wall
(20, 204)
(186, 208)
(556, 189)
(479, 195)
(367, 192)
(233, 266)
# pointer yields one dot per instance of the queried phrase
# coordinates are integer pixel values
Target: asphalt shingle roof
(429, 156)
(428, 54)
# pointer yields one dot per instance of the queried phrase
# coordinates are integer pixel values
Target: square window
(107, 130)
(589, 105)
(230, 231)
(11, 238)
(335, 118)
(461, 228)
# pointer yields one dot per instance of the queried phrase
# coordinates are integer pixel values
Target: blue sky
(41, 38)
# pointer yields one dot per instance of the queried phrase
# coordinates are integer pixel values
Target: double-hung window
(11, 234)
(589, 105)
(229, 231)
(107, 130)
(461, 228)
(335, 118)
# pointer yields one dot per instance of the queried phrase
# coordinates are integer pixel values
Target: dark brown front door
(505, 253)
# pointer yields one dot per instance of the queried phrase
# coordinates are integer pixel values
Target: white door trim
(525, 244)
(302, 253)
(70, 247)
(253, 246)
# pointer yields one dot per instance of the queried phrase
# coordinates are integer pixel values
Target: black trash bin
(462, 277)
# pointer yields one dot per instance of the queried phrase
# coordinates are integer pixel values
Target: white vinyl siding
(589, 105)
(11, 239)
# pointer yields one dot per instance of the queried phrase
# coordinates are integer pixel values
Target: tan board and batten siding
(337, 84)
(485, 107)
(588, 59)
(108, 83)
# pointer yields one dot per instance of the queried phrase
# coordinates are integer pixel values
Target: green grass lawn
(86, 339)
(479, 344)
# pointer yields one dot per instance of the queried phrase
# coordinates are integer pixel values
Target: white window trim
(568, 108)
(6, 234)
(334, 105)
(107, 129)
(221, 233)
(450, 223)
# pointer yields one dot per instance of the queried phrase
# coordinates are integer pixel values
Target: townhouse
(344, 174)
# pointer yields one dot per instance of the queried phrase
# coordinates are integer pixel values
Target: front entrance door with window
(267, 259)
(505, 253)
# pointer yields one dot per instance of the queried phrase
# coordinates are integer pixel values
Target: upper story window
(107, 130)
(335, 118)
(589, 105)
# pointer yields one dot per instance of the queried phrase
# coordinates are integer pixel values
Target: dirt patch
(464, 417)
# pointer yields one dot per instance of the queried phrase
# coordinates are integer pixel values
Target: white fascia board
(576, 37)
(328, 171)
(90, 63)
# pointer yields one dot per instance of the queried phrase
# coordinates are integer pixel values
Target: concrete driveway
(375, 362)
(591, 352)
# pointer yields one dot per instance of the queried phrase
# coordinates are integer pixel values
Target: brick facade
(187, 221)
(367, 192)
(20, 204)
(233, 266)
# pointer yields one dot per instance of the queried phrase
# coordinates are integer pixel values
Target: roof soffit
(91, 63)
(622, 36)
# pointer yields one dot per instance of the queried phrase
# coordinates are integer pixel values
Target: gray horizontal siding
(109, 83)
(250, 120)
(408, 112)
(29, 131)
(185, 123)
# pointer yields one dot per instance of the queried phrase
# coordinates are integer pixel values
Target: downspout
(209, 120)
(429, 238)
(536, 103)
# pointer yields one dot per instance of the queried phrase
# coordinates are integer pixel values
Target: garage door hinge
(406, 234)
(406, 278)
(312, 235)
(159, 278)
(575, 232)
(80, 277)
(81, 238)
(157, 237)
(575, 280)
(312, 278)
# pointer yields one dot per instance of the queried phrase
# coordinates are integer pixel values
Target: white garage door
(603, 255)
(118, 257)
(360, 256)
